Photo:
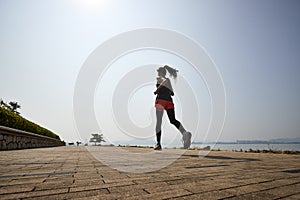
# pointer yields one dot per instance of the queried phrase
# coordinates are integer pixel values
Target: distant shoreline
(271, 141)
(246, 142)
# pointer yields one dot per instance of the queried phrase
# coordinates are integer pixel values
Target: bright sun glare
(93, 7)
(93, 3)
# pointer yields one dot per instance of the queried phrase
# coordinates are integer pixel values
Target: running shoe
(157, 147)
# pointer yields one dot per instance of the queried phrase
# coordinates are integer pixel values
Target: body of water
(232, 146)
(293, 147)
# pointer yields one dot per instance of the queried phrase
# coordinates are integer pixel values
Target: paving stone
(72, 195)
(253, 196)
(29, 180)
(286, 190)
(163, 194)
(128, 191)
(188, 197)
(33, 194)
(91, 187)
(293, 197)
(87, 182)
(73, 173)
(218, 194)
(13, 189)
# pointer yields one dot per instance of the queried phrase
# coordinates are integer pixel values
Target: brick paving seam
(288, 196)
(263, 190)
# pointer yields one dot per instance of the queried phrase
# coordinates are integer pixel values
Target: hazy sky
(255, 45)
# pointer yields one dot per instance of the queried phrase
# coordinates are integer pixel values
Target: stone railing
(16, 139)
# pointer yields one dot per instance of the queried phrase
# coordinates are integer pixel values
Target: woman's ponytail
(172, 71)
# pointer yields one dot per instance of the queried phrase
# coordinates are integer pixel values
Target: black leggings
(171, 115)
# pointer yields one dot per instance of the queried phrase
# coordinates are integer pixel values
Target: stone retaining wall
(16, 139)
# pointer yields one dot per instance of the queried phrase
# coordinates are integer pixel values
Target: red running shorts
(163, 104)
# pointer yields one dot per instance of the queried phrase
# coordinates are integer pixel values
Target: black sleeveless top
(165, 91)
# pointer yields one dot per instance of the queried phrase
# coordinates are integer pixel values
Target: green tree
(14, 106)
(3, 104)
(97, 138)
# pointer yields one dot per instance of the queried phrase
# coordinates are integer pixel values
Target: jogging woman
(163, 102)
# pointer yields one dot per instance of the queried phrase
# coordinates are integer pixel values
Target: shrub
(12, 120)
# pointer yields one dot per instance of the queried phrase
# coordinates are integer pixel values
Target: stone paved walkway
(73, 173)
